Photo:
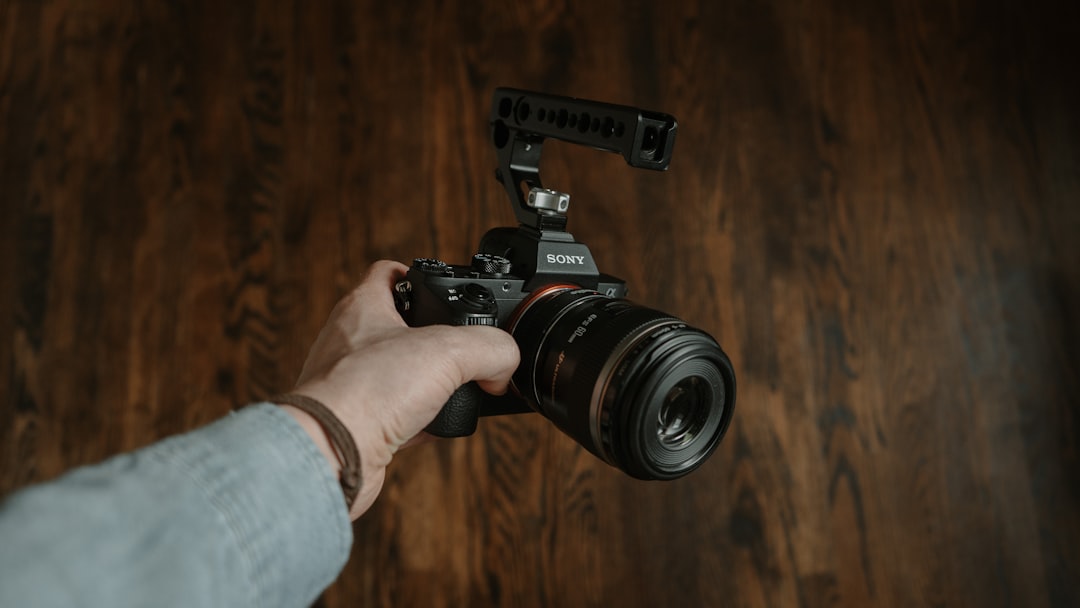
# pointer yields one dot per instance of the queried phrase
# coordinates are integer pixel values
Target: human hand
(385, 380)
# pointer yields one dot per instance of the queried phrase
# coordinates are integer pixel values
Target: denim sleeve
(243, 512)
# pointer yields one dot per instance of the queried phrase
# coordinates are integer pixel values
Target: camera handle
(521, 120)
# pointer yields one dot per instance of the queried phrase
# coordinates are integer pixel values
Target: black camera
(640, 389)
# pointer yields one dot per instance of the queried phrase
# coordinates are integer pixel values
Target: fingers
(485, 354)
(374, 296)
(385, 273)
(377, 286)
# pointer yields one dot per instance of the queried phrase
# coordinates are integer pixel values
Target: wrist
(331, 437)
(317, 434)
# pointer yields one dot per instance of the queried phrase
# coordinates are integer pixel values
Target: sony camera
(640, 389)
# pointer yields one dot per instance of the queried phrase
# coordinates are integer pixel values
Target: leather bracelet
(341, 440)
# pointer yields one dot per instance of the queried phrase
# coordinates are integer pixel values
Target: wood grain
(873, 206)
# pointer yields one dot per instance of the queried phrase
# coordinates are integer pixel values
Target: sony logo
(565, 259)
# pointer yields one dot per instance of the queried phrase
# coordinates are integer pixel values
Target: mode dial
(430, 265)
(485, 263)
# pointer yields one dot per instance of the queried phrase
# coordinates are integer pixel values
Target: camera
(639, 388)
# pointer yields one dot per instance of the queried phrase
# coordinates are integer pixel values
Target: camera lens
(637, 387)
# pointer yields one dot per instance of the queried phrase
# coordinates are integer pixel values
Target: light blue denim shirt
(243, 512)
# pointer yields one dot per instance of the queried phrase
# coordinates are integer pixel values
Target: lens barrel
(637, 387)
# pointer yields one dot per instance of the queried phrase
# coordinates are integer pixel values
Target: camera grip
(458, 416)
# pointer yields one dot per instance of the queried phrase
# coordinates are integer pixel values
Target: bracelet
(341, 440)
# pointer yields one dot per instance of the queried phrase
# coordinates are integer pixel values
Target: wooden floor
(875, 209)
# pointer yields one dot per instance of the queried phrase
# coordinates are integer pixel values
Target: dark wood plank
(873, 207)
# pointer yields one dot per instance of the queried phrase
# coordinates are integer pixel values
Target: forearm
(242, 512)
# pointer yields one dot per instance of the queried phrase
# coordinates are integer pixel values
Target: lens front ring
(626, 348)
(643, 437)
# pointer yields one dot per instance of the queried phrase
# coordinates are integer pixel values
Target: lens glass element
(684, 411)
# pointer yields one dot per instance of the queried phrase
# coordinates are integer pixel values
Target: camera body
(639, 388)
(488, 292)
